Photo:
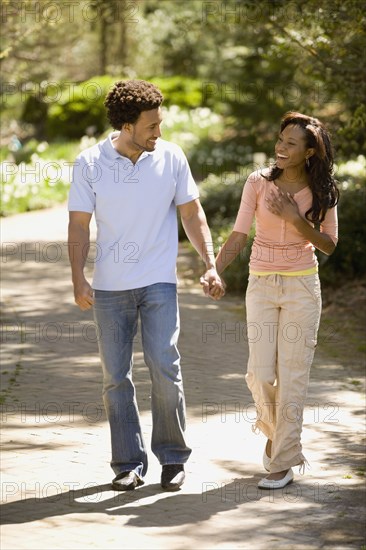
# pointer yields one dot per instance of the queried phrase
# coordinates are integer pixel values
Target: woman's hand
(283, 205)
(213, 286)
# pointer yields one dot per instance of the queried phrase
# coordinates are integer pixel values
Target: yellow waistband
(310, 271)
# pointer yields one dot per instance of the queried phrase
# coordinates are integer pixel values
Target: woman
(290, 202)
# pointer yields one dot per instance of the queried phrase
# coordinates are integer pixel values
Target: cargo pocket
(310, 345)
(312, 285)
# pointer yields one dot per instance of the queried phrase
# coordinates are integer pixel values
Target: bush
(220, 197)
(194, 130)
(349, 259)
(30, 186)
(35, 112)
(217, 154)
(80, 111)
(179, 90)
(40, 177)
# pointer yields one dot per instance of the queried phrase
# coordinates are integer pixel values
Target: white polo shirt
(135, 211)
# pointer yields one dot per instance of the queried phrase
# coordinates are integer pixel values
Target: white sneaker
(266, 483)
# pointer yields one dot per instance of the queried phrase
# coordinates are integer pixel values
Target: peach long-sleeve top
(278, 247)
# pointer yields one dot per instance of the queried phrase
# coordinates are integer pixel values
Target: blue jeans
(116, 315)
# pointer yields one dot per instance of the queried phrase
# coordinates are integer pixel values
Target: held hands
(213, 286)
(283, 205)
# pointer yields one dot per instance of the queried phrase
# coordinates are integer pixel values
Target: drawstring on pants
(304, 464)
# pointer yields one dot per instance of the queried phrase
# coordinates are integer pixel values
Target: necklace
(291, 187)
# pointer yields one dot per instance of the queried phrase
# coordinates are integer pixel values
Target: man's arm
(78, 246)
(195, 225)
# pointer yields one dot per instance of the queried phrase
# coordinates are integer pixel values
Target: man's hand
(213, 286)
(84, 295)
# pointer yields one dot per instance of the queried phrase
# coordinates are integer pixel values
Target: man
(133, 181)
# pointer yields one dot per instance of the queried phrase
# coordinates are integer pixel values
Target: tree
(260, 59)
(256, 59)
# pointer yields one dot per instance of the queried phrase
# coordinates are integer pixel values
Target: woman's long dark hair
(319, 166)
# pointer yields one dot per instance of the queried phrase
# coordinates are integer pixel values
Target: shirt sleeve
(186, 188)
(81, 194)
(330, 224)
(247, 206)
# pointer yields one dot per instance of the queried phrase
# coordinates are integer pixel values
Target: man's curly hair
(127, 99)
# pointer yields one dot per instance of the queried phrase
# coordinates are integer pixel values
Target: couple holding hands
(134, 182)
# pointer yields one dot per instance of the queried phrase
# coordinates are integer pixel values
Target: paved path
(55, 439)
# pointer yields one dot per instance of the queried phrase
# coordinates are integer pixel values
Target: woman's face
(291, 151)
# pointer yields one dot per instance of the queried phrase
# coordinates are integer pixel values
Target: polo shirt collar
(111, 152)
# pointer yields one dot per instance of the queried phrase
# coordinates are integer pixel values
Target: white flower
(41, 147)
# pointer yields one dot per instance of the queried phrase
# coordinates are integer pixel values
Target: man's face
(146, 131)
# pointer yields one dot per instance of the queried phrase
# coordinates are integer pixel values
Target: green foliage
(178, 90)
(31, 186)
(349, 259)
(40, 178)
(291, 55)
(25, 152)
(352, 136)
(219, 156)
(196, 130)
(34, 112)
(220, 197)
(80, 111)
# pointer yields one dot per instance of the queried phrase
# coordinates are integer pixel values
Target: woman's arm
(321, 241)
(284, 206)
(230, 250)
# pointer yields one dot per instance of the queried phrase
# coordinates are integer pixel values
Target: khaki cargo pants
(283, 314)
